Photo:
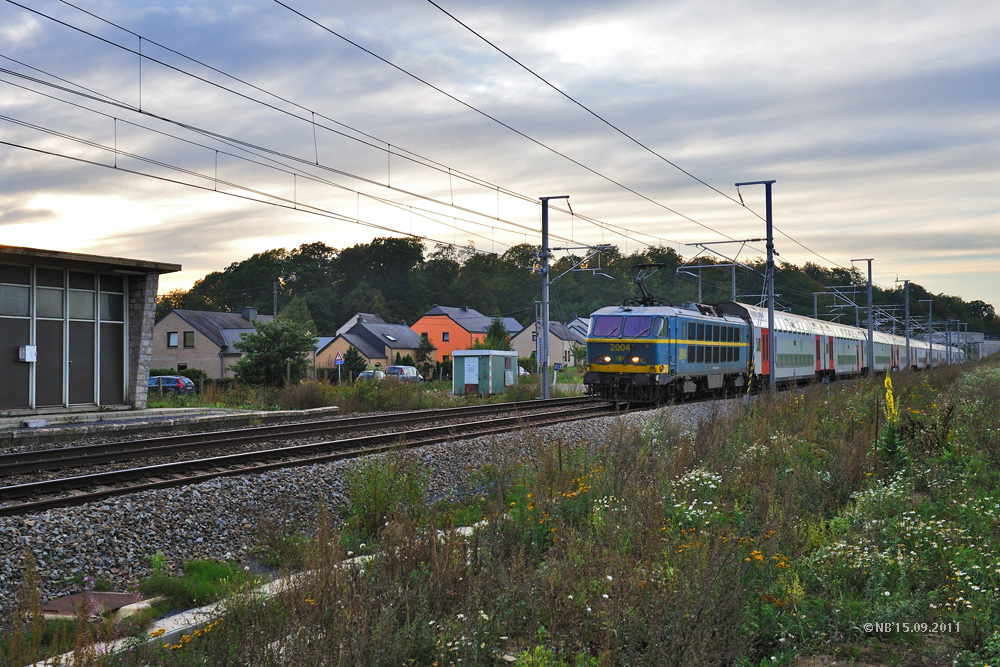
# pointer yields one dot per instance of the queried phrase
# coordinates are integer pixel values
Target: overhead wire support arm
(595, 252)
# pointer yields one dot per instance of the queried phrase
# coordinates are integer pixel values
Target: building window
(445, 336)
(188, 339)
(171, 339)
(182, 367)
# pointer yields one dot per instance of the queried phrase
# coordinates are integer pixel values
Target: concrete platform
(67, 426)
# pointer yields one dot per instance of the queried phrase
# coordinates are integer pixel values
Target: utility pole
(769, 277)
(906, 318)
(947, 340)
(871, 340)
(544, 343)
(930, 331)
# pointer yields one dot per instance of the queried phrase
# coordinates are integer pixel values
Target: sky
(200, 132)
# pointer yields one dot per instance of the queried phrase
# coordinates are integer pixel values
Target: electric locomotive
(648, 350)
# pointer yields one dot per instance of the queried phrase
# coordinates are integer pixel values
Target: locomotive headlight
(638, 360)
(606, 360)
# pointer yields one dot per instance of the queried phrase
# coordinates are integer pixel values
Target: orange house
(451, 329)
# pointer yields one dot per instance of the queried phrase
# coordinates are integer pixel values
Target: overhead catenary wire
(618, 129)
(312, 116)
(495, 119)
(375, 143)
(109, 100)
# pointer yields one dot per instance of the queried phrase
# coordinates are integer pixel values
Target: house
(450, 329)
(581, 325)
(378, 342)
(75, 330)
(563, 339)
(202, 339)
(370, 318)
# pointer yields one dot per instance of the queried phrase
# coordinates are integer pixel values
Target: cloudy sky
(201, 132)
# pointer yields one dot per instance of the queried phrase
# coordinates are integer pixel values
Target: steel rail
(179, 473)
(16, 463)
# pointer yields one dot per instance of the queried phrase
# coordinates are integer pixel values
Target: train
(649, 351)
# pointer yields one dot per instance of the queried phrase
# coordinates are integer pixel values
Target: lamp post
(769, 275)
(930, 331)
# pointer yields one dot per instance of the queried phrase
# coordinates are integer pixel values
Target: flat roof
(74, 259)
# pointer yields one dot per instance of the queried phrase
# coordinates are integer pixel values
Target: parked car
(404, 373)
(371, 375)
(170, 384)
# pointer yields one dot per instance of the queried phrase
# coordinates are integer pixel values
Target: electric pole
(543, 347)
(906, 318)
(930, 331)
(871, 340)
(769, 278)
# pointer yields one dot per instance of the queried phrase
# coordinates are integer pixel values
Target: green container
(483, 372)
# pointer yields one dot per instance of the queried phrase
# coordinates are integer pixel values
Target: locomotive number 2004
(621, 347)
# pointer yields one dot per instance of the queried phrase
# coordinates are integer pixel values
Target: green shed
(483, 372)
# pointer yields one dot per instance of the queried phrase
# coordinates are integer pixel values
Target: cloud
(876, 120)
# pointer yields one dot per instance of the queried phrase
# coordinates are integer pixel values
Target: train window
(715, 354)
(657, 331)
(701, 331)
(607, 326)
(637, 326)
(700, 354)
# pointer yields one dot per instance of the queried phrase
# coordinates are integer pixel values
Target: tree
(354, 362)
(496, 337)
(275, 351)
(297, 310)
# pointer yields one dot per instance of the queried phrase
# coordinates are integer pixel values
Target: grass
(350, 398)
(780, 528)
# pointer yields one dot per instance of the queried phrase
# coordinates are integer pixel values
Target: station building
(76, 330)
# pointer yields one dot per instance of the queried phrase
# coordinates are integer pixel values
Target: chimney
(465, 309)
(249, 314)
(360, 319)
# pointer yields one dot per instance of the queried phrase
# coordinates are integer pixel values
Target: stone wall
(141, 313)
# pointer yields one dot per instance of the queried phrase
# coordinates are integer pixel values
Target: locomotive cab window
(637, 326)
(607, 326)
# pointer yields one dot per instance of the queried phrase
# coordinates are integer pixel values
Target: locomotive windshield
(634, 326)
(607, 326)
(637, 326)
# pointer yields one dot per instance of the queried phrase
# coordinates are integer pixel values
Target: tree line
(401, 279)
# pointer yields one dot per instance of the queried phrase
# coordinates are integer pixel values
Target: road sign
(338, 359)
(557, 366)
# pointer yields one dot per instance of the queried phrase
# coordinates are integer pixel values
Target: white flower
(886, 594)
(609, 578)
(605, 596)
(588, 608)
(570, 597)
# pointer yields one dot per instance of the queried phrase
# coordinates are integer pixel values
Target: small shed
(483, 372)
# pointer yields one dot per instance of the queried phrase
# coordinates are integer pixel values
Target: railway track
(20, 463)
(79, 489)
